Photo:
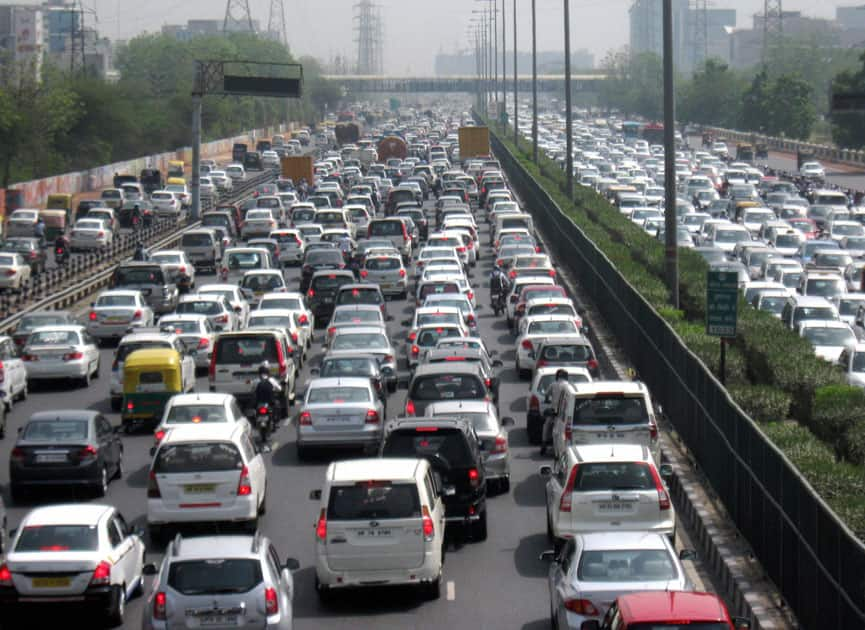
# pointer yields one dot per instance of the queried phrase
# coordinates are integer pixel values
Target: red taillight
(92, 316)
(310, 293)
(653, 430)
(488, 382)
(244, 485)
(305, 419)
(271, 601)
(203, 342)
(159, 605)
(537, 250)
(534, 403)
(303, 320)
(101, 574)
(137, 314)
(592, 364)
(18, 454)
(364, 273)
(88, 452)
(5, 576)
(262, 411)
(527, 344)
(512, 273)
(211, 371)
(569, 431)
(100, 234)
(429, 529)
(294, 336)
(552, 272)
(331, 331)
(474, 477)
(501, 445)
(412, 336)
(415, 351)
(321, 526)
(581, 607)
(402, 273)
(567, 498)
(663, 497)
(153, 487)
(280, 357)
(409, 407)
(470, 295)
(541, 362)
(372, 417)
(73, 356)
(159, 435)
(11, 272)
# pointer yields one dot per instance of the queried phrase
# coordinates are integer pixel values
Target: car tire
(503, 486)
(118, 473)
(433, 590)
(18, 495)
(157, 534)
(550, 536)
(85, 380)
(262, 507)
(251, 526)
(100, 488)
(96, 371)
(116, 612)
(26, 391)
(535, 431)
(3, 424)
(479, 528)
(116, 403)
(325, 594)
(403, 295)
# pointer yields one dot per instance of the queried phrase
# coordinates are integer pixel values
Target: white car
(812, 170)
(14, 271)
(205, 474)
(195, 332)
(90, 234)
(269, 159)
(55, 352)
(116, 311)
(534, 329)
(176, 264)
(236, 172)
(222, 181)
(181, 192)
(207, 189)
(296, 303)
(13, 374)
(828, 338)
(74, 553)
(214, 306)
(199, 409)
(235, 298)
(165, 204)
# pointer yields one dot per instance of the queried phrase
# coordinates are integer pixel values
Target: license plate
(615, 507)
(116, 320)
(199, 488)
(338, 419)
(387, 285)
(51, 458)
(374, 533)
(327, 300)
(51, 582)
(217, 620)
(610, 436)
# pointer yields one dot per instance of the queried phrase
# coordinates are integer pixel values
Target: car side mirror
(149, 569)
(291, 564)
(498, 363)
(547, 555)
(507, 421)
(666, 471)
(545, 471)
(315, 495)
(591, 624)
(687, 554)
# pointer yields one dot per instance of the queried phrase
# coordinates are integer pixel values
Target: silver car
(491, 434)
(54, 352)
(258, 222)
(591, 570)
(89, 234)
(340, 411)
(116, 311)
(388, 272)
(215, 307)
(368, 340)
(351, 316)
(195, 332)
(220, 581)
(176, 264)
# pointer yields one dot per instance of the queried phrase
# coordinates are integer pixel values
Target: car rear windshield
(448, 444)
(34, 321)
(347, 366)
(627, 565)
(337, 395)
(303, 214)
(359, 296)
(435, 288)
(116, 300)
(437, 318)
(599, 476)
(356, 317)
(54, 338)
(245, 260)
(196, 240)
(535, 294)
(386, 228)
(56, 430)
(324, 257)
(359, 341)
(148, 275)
(552, 327)
(180, 326)
(547, 379)
(197, 457)
(383, 263)
(58, 538)
(262, 282)
(330, 282)
(551, 309)
(289, 303)
(199, 307)
(367, 500)
(429, 336)
(564, 353)
(447, 387)
(611, 409)
(252, 349)
(195, 414)
(216, 576)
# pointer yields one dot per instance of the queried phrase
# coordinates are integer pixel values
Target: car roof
(68, 414)
(611, 453)
(373, 468)
(448, 367)
(660, 606)
(622, 540)
(67, 514)
(221, 431)
(339, 381)
(207, 398)
(203, 547)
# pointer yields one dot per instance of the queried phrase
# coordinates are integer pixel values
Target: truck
(392, 147)
(298, 167)
(474, 142)
(347, 133)
(238, 152)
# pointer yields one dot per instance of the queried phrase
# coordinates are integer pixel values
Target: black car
(453, 449)
(252, 161)
(319, 259)
(40, 318)
(323, 287)
(85, 205)
(475, 356)
(72, 448)
(417, 215)
(351, 364)
(30, 249)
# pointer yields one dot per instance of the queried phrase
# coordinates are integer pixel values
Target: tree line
(787, 95)
(67, 122)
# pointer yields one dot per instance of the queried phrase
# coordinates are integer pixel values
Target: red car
(808, 227)
(668, 610)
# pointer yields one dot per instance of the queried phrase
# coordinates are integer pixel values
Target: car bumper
(291, 255)
(99, 596)
(311, 436)
(497, 466)
(43, 476)
(667, 527)
(428, 571)
(87, 243)
(241, 509)
(111, 331)
(394, 287)
(58, 369)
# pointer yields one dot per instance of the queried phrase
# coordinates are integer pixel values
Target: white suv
(206, 473)
(607, 488)
(380, 521)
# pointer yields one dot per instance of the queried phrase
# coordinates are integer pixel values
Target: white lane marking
(452, 591)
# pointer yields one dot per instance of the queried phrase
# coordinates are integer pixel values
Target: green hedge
(838, 410)
(761, 402)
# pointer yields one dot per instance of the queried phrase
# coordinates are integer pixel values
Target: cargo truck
(347, 133)
(392, 147)
(298, 167)
(474, 142)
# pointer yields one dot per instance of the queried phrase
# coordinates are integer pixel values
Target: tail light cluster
(244, 485)
(321, 526)
(567, 494)
(500, 445)
(153, 487)
(663, 497)
(101, 574)
(372, 417)
(305, 419)
(474, 477)
(428, 525)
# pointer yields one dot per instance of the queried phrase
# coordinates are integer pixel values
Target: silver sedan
(116, 311)
(54, 352)
(195, 332)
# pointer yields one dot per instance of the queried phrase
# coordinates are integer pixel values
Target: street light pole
(671, 242)
(569, 117)
(516, 92)
(504, 61)
(494, 38)
(534, 86)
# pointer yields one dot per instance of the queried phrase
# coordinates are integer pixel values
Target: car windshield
(367, 500)
(214, 576)
(116, 300)
(199, 307)
(197, 457)
(54, 338)
(773, 304)
(195, 414)
(824, 288)
(627, 565)
(480, 421)
(849, 307)
(337, 395)
(447, 387)
(829, 336)
(611, 409)
(55, 430)
(595, 477)
(359, 341)
(244, 350)
(552, 327)
(429, 336)
(58, 538)
(245, 260)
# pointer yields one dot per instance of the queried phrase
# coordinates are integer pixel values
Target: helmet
(264, 370)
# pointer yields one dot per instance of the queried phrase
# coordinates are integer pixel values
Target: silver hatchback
(220, 582)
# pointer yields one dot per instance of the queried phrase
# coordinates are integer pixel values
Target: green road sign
(722, 298)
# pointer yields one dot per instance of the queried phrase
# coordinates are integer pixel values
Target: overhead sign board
(261, 86)
(722, 299)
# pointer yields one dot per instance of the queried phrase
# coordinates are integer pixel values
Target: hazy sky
(417, 29)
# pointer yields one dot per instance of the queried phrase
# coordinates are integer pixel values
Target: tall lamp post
(516, 92)
(534, 86)
(671, 246)
(569, 117)
(504, 62)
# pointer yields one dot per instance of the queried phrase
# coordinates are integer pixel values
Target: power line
(238, 17)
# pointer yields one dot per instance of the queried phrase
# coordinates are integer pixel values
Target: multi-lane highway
(497, 583)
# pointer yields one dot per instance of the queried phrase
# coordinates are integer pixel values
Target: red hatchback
(668, 610)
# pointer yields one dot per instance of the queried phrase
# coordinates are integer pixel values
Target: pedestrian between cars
(547, 433)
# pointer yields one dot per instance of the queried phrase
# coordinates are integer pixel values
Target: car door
(109, 443)
(555, 485)
(558, 577)
(187, 366)
(90, 349)
(14, 368)
(125, 550)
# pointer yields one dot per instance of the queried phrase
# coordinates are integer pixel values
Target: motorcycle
(264, 420)
(61, 255)
(498, 303)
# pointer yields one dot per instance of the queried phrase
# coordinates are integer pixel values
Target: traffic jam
(379, 330)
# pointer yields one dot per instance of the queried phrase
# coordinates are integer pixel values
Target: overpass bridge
(470, 83)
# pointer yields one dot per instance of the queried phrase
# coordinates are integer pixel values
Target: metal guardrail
(85, 274)
(817, 563)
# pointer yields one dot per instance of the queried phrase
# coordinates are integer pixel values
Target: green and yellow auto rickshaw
(150, 377)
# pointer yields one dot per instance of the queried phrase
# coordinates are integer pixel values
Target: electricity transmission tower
(77, 61)
(276, 22)
(699, 32)
(773, 25)
(238, 17)
(369, 36)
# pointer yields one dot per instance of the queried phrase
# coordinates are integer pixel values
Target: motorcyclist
(137, 218)
(39, 231)
(140, 252)
(61, 247)
(549, 421)
(303, 189)
(267, 391)
(499, 284)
